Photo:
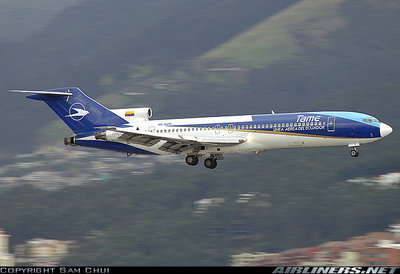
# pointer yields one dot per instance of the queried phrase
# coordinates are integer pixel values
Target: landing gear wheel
(192, 160)
(354, 153)
(210, 163)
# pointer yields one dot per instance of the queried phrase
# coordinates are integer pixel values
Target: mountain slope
(277, 38)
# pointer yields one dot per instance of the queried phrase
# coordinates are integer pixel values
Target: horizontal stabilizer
(57, 93)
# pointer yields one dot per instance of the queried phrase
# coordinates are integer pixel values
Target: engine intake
(107, 135)
(134, 113)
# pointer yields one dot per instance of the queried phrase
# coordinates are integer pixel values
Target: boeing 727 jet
(131, 131)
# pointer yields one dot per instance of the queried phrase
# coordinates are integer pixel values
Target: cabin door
(331, 124)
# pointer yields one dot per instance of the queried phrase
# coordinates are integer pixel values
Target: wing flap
(171, 143)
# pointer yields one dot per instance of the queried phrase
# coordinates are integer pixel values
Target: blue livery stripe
(312, 124)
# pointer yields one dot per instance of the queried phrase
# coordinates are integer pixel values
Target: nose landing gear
(354, 152)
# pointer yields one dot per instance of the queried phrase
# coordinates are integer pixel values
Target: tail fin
(80, 112)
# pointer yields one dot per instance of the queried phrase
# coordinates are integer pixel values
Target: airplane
(131, 131)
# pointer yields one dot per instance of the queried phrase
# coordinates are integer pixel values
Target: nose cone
(385, 130)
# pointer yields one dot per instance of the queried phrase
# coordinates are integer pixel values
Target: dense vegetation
(150, 220)
(346, 60)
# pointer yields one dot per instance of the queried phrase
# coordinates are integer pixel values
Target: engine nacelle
(134, 114)
(107, 135)
(69, 141)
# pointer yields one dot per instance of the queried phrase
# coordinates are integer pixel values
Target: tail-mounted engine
(134, 114)
(107, 135)
(69, 141)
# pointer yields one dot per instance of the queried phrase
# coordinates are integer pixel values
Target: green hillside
(280, 37)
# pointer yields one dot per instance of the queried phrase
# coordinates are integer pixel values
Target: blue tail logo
(79, 110)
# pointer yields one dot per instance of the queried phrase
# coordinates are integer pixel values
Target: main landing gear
(210, 162)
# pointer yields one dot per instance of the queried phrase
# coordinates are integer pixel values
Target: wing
(176, 144)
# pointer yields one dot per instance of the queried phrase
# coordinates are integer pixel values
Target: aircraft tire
(210, 163)
(354, 153)
(192, 160)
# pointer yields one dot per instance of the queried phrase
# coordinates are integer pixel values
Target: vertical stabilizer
(80, 112)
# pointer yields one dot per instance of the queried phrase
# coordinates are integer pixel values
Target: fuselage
(264, 131)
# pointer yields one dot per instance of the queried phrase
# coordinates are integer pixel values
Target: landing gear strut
(354, 151)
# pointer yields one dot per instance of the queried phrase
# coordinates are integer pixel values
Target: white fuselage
(262, 135)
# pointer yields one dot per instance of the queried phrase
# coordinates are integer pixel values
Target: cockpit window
(371, 120)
